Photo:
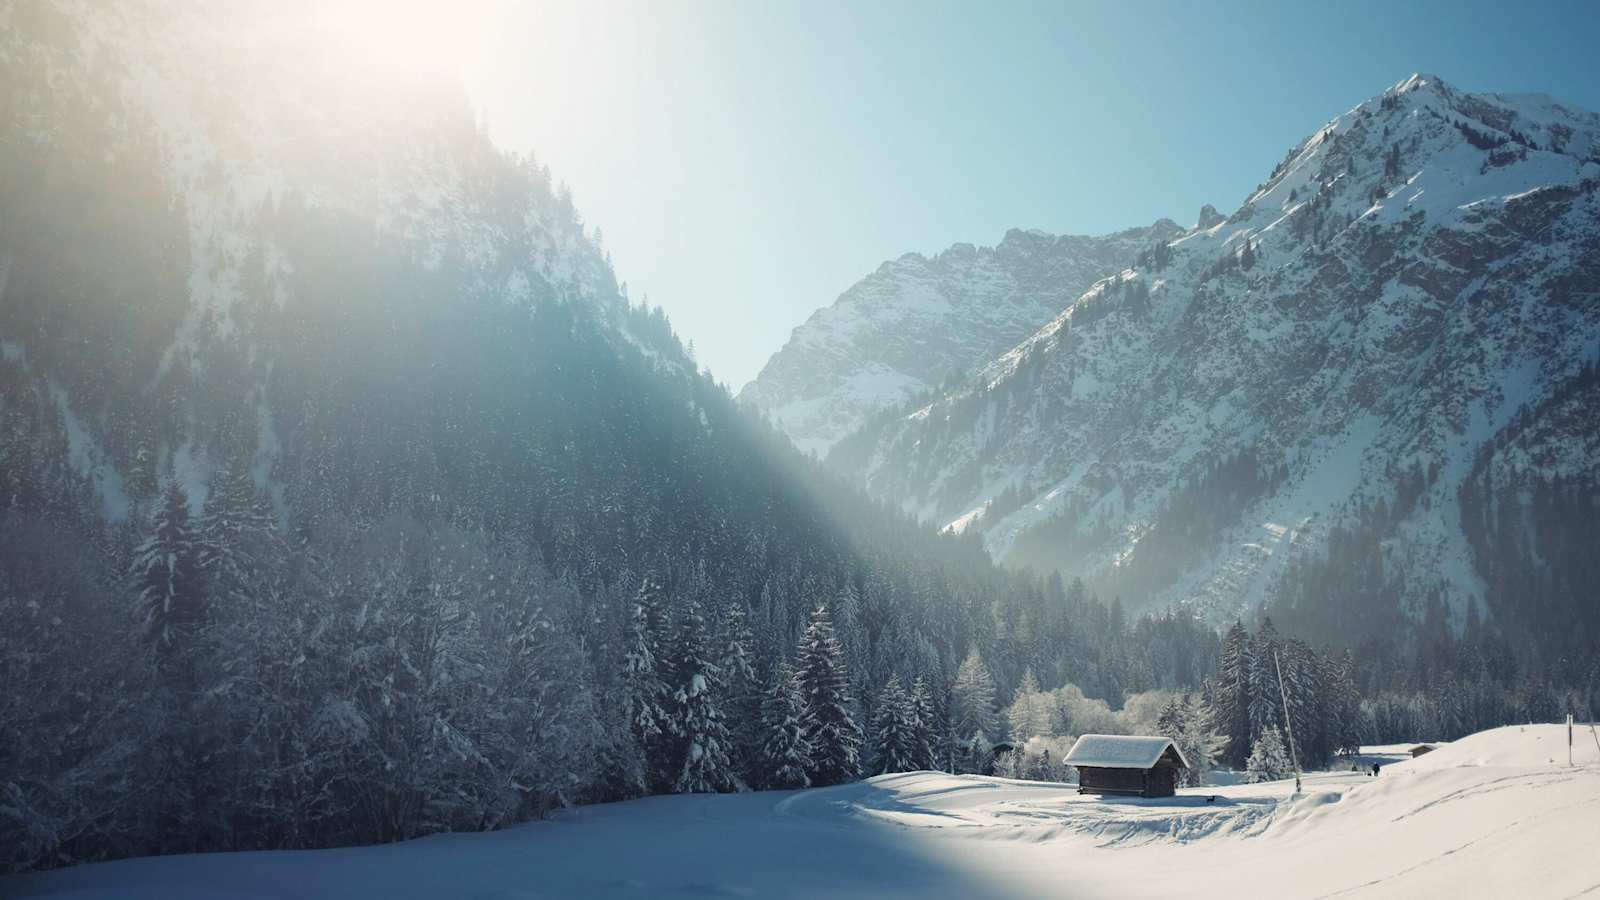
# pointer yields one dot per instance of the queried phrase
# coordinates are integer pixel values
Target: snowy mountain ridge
(917, 321)
(1365, 328)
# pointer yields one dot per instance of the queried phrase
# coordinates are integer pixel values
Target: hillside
(919, 321)
(1525, 822)
(1336, 401)
(340, 482)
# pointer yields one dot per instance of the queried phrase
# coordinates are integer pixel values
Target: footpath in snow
(1498, 814)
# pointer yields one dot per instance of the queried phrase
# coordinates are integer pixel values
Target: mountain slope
(1312, 401)
(334, 464)
(903, 330)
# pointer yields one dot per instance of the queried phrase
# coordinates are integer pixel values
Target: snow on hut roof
(1121, 751)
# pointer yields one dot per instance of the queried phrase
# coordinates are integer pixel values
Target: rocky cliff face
(1377, 355)
(917, 322)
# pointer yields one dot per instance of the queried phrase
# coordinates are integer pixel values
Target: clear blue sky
(748, 161)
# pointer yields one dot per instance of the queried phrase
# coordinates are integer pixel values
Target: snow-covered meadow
(1498, 814)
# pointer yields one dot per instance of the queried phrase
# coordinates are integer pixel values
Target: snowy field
(1498, 814)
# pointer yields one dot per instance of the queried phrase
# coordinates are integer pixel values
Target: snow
(904, 329)
(1120, 751)
(88, 459)
(1345, 371)
(961, 523)
(1490, 815)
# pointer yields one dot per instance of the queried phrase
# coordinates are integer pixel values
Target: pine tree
(171, 595)
(972, 712)
(707, 767)
(894, 726)
(1303, 692)
(236, 539)
(1344, 717)
(1190, 722)
(644, 687)
(1269, 759)
(925, 720)
(785, 757)
(743, 692)
(166, 575)
(830, 729)
(1265, 700)
(1231, 706)
(1173, 718)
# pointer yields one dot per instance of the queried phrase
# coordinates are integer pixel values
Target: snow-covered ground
(1498, 814)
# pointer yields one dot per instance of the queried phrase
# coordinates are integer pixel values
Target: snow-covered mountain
(1338, 399)
(917, 321)
(224, 190)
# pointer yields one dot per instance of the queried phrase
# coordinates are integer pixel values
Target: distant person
(1374, 770)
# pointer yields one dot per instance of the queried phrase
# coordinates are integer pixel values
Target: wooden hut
(1127, 764)
(1420, 749)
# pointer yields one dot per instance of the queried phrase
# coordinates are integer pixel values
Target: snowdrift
(1514, 745)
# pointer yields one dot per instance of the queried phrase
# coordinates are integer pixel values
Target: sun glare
(420, 37)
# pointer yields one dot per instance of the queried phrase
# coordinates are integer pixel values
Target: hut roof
(1121, 751)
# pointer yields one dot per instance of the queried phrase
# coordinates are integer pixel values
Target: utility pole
(1287, 725)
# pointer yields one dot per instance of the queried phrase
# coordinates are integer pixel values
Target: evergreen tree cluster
(1258, 674)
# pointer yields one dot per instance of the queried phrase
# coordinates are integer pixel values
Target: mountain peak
(1398, 289)
(1420, 81)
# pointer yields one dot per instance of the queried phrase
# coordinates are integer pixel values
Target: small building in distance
(1420, 749)
(1127, 764)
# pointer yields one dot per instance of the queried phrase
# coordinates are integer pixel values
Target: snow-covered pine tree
(238, 554)
(603, 626)
(411, 653)
(167, 577)
(1345, 720)
(785, 757)
(895, 729)
(830, 727)
(1231, 699)
(237, 536)
(535, 725)
(925, 720)
(706, 767)
(743, 692)
(644, 687)
(1195, 737)
(1304, 691)
(845, 614)
(1269, 758)
(1265, 701)
(972, 712)
(1173, 717)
